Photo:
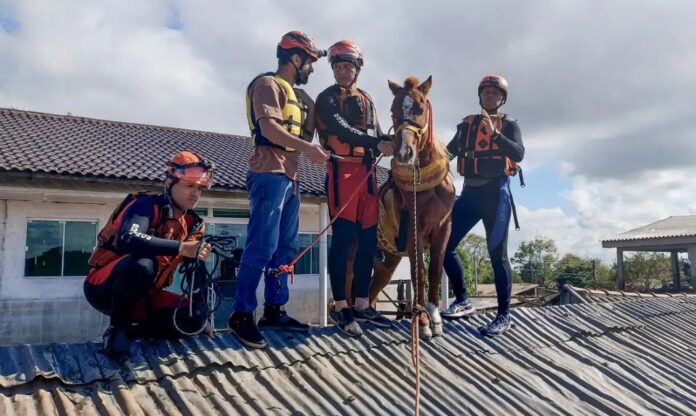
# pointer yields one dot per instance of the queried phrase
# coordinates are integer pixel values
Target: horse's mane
(437, 150)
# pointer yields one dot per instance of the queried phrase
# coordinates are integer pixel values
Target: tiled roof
(76, 146)
(675, 226)
(628, 357)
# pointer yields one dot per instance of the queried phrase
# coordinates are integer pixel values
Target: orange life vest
(187, 227)
(479, 156)
(365, 123)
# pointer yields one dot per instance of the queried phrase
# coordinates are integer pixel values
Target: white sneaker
(459, 309)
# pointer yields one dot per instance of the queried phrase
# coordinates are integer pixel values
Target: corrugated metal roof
(571, 294)
(627, 357)
(676, 226)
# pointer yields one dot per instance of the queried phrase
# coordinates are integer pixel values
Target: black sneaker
(243, 326)
(275, 318)
(345, 322)
(116, 344)
(372, 316)
(500, 324)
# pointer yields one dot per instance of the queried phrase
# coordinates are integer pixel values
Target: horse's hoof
(438, 329)
(424, 332)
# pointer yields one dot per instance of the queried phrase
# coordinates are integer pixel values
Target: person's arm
(133, 237)
(328, 109)
(509, 140)
(455, 144)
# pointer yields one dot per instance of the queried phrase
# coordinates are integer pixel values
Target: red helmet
(188, 167)
(346, 50)
(299, 40)
(494, 81)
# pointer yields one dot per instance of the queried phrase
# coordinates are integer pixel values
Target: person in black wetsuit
(488, 146)
(139, 249)
(348, 128)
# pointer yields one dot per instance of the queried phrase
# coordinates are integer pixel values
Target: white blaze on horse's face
(405, 151)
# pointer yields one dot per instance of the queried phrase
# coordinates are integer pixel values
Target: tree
(574, 270)
(644, 271)
(535, 260)
(476, 247)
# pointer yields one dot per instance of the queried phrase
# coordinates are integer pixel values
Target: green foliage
(644, 271)
(535, 261)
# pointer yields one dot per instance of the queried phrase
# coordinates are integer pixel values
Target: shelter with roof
(674, 235)
(61, 177)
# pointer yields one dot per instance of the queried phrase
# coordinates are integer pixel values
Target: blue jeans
(271, 238)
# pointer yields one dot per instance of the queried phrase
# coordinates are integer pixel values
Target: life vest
(294, 114)
(479, 156)
(187, 227)
(358, 109)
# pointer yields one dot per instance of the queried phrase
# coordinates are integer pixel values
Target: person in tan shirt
(280, 129)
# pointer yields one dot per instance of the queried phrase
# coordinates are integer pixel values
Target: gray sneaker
(345, 322)
(372, 316)
(500, 324)
(459, 309)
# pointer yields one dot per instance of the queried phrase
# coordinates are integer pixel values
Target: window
(309, 263)
(59, 248)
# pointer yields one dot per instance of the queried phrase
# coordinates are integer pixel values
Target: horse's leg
(438, 244)
(418, 280)
(349, 273)
(382, 275)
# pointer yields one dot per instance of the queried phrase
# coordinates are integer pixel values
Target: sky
(602, 90)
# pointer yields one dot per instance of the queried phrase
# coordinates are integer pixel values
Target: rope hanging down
(415, 319)
(290, 267)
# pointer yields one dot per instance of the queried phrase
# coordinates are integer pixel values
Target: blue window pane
(44, 253)
(80, 238)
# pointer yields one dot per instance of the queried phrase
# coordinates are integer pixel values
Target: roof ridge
(71, 117)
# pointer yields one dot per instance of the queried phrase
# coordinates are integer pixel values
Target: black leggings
(344, 233)
(491, 203)
(130, 287)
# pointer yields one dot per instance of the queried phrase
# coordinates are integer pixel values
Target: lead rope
(415, 319)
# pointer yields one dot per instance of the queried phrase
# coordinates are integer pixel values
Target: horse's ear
(394, 87)
(424, 87)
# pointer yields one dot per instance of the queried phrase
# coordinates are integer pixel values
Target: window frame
(27, 220)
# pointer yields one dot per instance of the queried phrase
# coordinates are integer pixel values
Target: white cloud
(602, 90)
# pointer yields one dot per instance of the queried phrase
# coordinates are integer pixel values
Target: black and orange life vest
(479, 156)
(365, 122)
(188, 227)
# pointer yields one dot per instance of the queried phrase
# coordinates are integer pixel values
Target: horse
(420, 161)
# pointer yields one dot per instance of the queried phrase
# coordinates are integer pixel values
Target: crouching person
(138, 251)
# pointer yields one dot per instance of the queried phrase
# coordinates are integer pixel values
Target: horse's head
(411, 118)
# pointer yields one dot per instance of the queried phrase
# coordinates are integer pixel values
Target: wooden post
(620, 282)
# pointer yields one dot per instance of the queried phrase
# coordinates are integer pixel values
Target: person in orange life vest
(348, 128)
(489, 146)
(280, 130)
(139, 250)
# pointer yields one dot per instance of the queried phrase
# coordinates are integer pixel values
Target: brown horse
(420, 155)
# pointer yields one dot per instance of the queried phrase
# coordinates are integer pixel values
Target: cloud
(602, 90)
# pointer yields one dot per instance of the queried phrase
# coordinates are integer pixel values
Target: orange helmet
(494, 81)
(189, 167)
(345, 50)
(299, 40)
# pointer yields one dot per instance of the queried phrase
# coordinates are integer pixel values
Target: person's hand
(190, 248)
(386, 147)
(488, 122)
(317, 154)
